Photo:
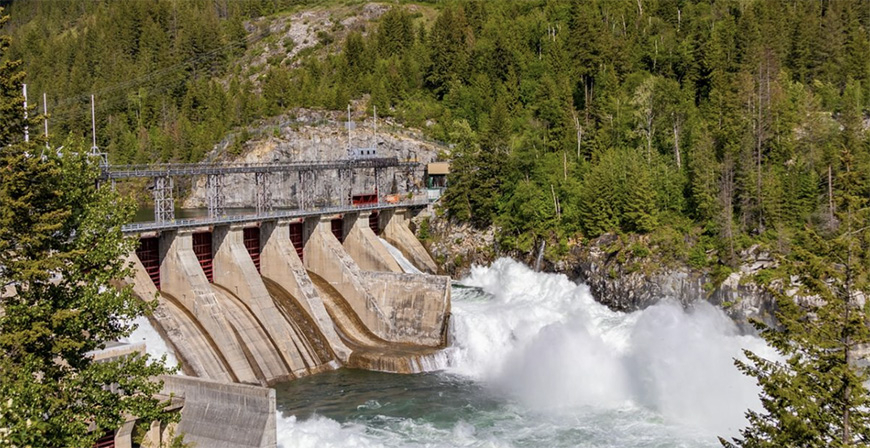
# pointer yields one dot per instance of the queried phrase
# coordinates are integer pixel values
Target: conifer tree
(61, 255)
(816, 396)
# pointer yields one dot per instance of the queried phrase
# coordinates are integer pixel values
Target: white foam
(543, 339)
(154, 344)
(404, 263)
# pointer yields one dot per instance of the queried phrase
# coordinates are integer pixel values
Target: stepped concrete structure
(248, 304)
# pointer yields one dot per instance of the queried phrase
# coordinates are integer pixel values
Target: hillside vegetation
(709, 125)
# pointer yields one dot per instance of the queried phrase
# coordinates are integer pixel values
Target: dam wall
(182, 277)
(270, 301)
(224, 415)
(234, 270)
(196, 351)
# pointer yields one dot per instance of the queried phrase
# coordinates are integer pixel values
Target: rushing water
(404, 263)
(535, 361)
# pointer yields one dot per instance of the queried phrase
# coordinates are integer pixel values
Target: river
(534, 361)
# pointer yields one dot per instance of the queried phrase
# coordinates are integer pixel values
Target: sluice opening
(296, 238)
(202, 249)
(374, 223)
(338, 229)
(149, 254)
(252, 244)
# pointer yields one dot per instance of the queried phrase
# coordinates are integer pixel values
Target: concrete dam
(266, 301)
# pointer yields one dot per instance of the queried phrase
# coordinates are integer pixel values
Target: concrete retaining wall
(280, 263)
(416, 305)
(220, 415)
(364, 247)
(397, 233)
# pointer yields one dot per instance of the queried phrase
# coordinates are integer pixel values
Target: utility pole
(26, 128)
(45, 118)
(94, 148)
(349, 150)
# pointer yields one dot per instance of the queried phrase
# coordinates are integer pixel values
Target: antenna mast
(349, 150)
(94, 148)
(26, 128)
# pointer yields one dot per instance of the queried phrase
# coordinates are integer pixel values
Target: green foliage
(578, 117)
(62, 253)
(62, 250)
(816, 393)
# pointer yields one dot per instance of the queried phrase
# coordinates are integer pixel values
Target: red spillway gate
(252, 244)
(374, 223)
(203, 251)
(149, 254)
(296, 238)
(338, 229)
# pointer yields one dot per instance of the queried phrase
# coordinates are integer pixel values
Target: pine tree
(61, 255)
(816, 395)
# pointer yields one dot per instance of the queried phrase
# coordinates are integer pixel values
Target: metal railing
(193, 169)
(142, 227)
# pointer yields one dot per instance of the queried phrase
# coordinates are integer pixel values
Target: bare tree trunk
(677, 145)
(726, 193)
(579, 131)
(830, 198)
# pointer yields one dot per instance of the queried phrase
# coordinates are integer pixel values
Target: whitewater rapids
(568, 372)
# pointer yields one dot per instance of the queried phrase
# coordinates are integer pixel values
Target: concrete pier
(326, 257)
(183, 278)
(361, 243)
(192, 345)
(280, 263)
(397, 233)
(235, 271)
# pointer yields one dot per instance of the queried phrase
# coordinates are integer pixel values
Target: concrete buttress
(280, 263)
(235, 272)
(325, 257)
(182, 277)
(365, 247)
(193, 347)
(397, 233)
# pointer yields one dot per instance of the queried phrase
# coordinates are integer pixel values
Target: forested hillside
(709, 125)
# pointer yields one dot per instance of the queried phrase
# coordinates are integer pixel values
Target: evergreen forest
(707, 126)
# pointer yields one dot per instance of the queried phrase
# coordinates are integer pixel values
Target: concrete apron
(280, 263)
(191, 344)
(182, 277)
(235, 272)
(397, 233)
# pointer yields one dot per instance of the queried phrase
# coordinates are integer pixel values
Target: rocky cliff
(304, 135)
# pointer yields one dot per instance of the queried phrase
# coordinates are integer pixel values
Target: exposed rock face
(321, 136)
(618, 288)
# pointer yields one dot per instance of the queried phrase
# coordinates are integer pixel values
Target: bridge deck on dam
(143, 227)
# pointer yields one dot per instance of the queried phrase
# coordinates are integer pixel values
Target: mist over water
(535, 361)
